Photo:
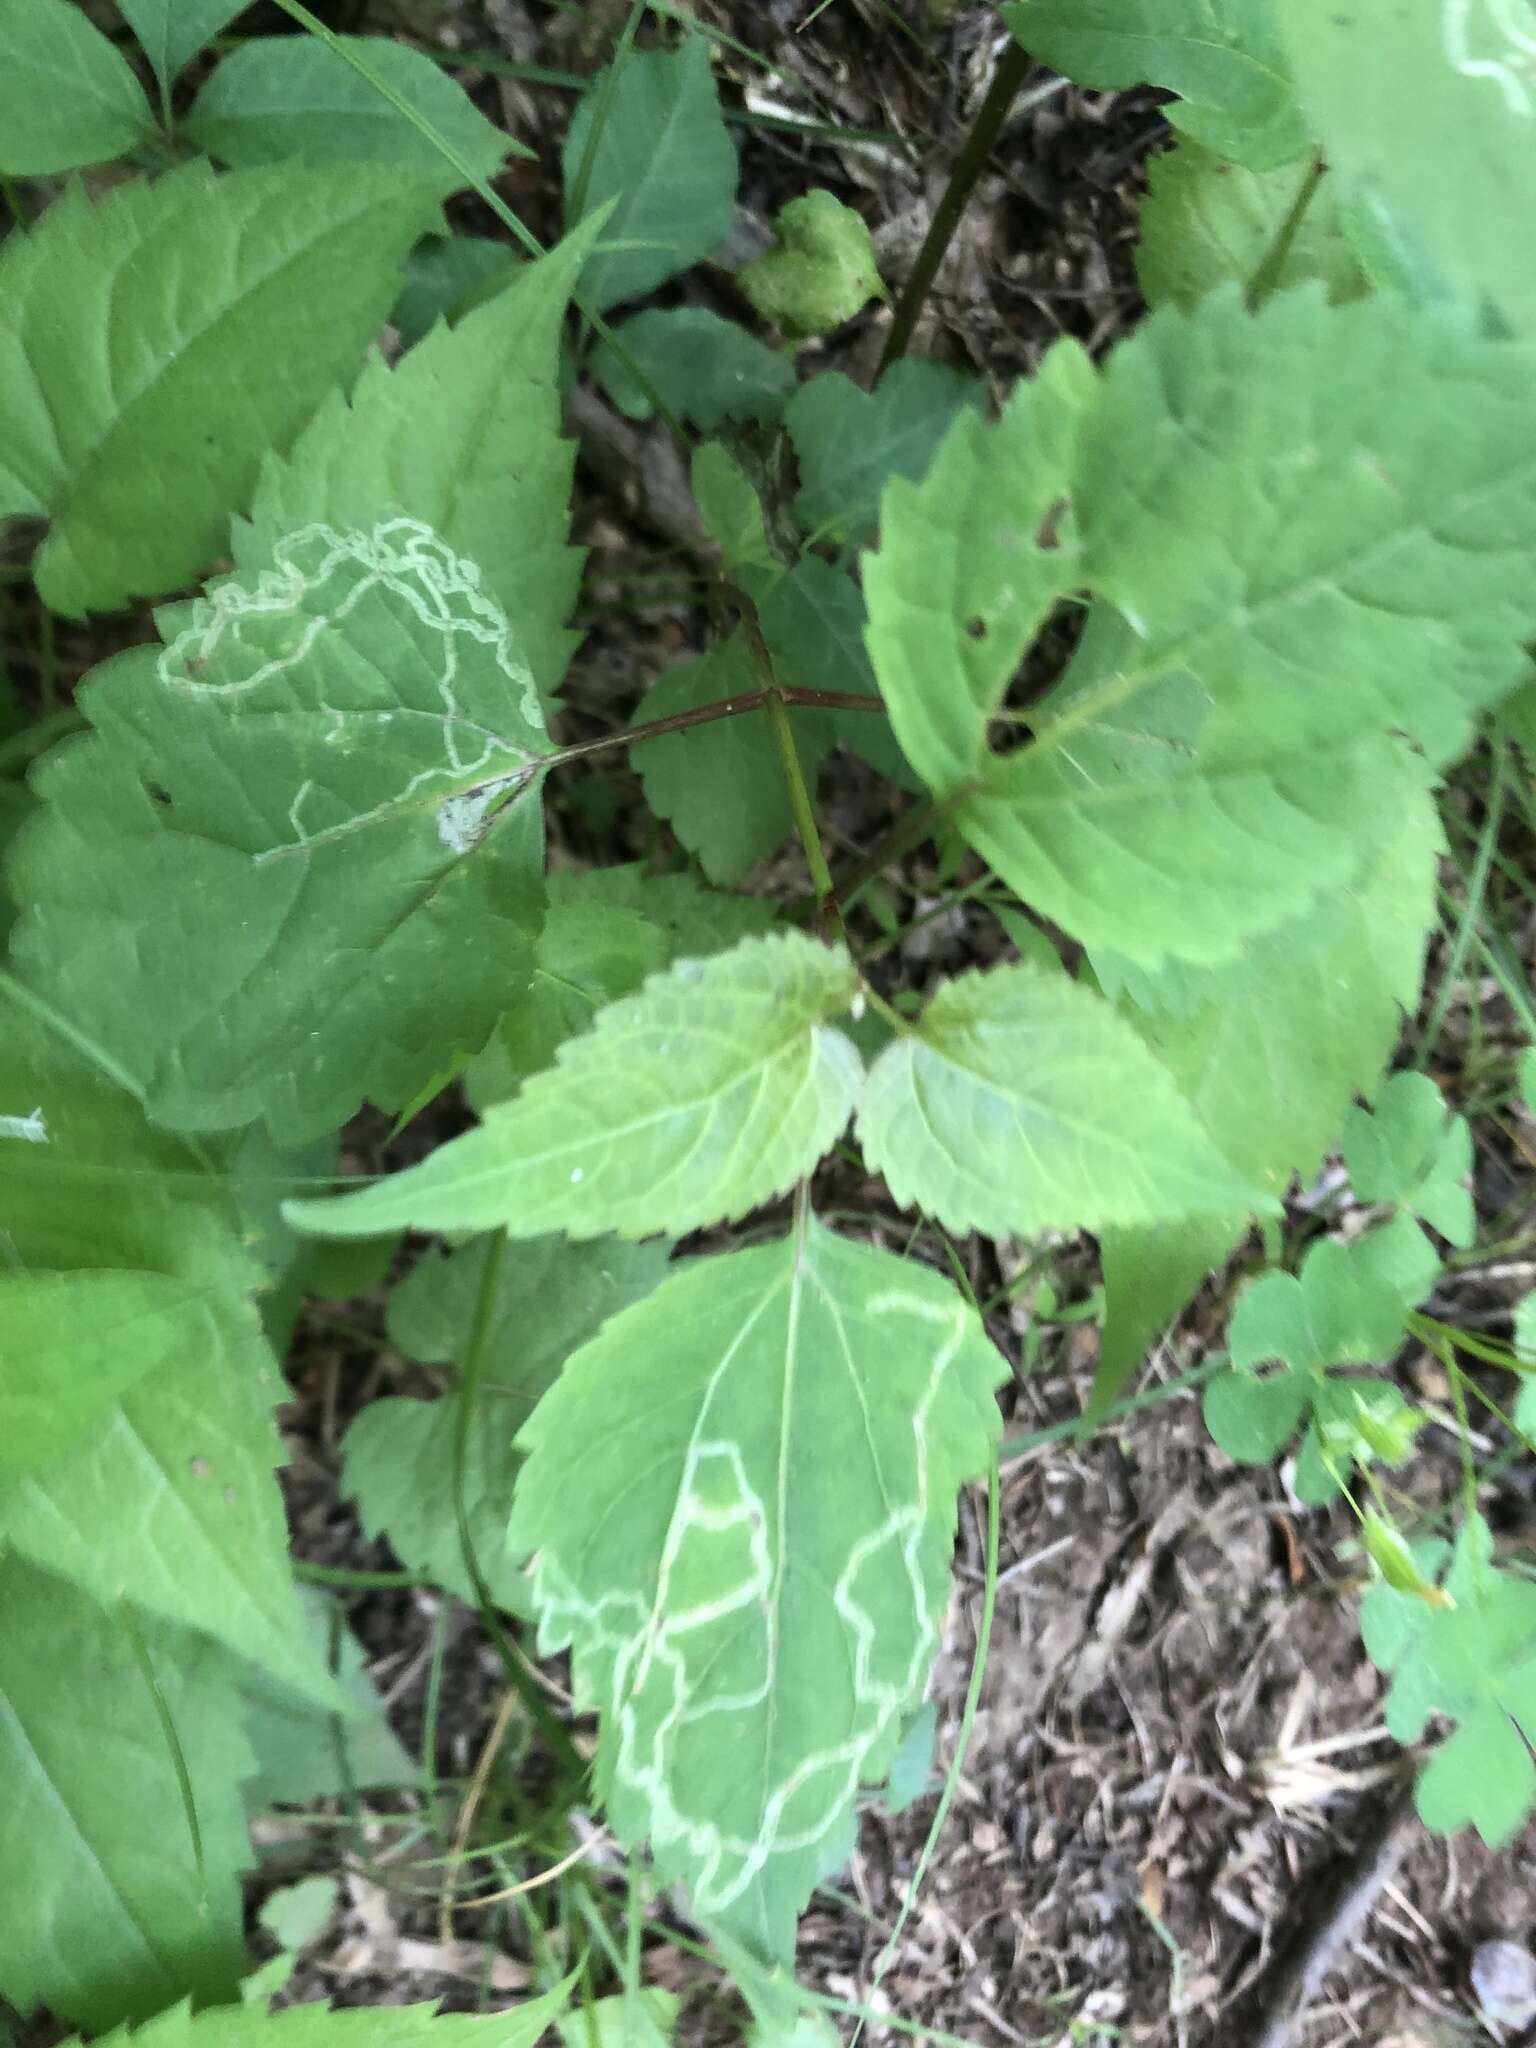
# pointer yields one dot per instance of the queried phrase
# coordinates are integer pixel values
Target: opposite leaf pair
(1019, 1102)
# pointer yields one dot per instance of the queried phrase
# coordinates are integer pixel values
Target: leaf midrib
(694, 1105)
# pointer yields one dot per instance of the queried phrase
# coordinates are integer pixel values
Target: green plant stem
(1058, 1432)
(1431, 1332)
(800, 806)
(1506, 972)
(1499, 1414)
(775, 701)
(921, 822)
(952, 901)
(1012, 70)
(1472, 910)
(1447, 1357)
(346, 1777)
(432, 1785)
(354, 1581)
(1274, 259)
(577, 205)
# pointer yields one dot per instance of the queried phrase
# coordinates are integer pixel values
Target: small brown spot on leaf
(1048, 539)
(200, 1468)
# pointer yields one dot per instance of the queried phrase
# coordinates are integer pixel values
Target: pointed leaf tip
(707, 1093)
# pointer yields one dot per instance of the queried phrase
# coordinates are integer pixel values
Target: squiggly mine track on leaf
(1513, 69)
(661, 1651)
(319, 577)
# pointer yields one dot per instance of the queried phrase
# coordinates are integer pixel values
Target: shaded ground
(1179, 1735)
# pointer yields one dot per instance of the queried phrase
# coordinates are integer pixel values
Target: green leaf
(316, 2026)
(447, 276)
(820, 271)
(665, 157)
(645, 2021)
(154, 1484)
(322, 785)
(172, 1502)
(1337, 1309)
(1206, 223)
(279, 97)
(603, 933)
(1409, 1149)
(1426, 115)
(1021, 1103)
(786, 1429)
(551, 1296)
(705, 1095)
(1398, 1254)
(850, 443)
(463, 434)
(303, 1754)
(731, 509)
(302, 785)
(912, 1773)
(173, 31)
(972, 560)
(1197, 777)
(1472, 1657)
(110, 1911)
(125, 328)
(1150, 1274)
(298, 1914)
(707, 369)
(1272, 1050)
(67, 95)
(720, 786)
(1270, 1053)
(398, 1456)
(813, 620)
(1334, 1309)
(1224, 58)
(1253, 1419)
(76, 1341)
(1392, 1555)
